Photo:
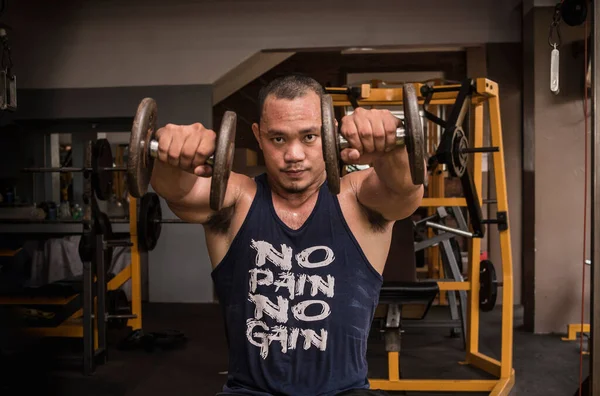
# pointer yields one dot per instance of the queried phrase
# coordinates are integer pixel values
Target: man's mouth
(294, 172)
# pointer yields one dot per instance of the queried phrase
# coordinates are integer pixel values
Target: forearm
(171, 183)
(393, 171)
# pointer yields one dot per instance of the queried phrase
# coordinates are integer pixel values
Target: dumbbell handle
(400, 134)
(154, 152)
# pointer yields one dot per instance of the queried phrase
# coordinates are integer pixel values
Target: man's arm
(188, 195)
(181, 176)
(387, 186)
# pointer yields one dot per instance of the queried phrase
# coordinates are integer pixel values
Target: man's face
(290, 138)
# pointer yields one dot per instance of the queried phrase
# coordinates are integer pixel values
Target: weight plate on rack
(149, 221)
(117, 304)
(105, 228)
(459, 159)
(102, 180)
(488, 286)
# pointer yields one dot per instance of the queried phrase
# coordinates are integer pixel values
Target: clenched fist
(370, 133)
(186, 147)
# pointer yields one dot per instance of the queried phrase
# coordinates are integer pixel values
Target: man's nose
(294, 152)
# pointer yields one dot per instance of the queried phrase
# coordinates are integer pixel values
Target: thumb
(350, 156)
(203, 171)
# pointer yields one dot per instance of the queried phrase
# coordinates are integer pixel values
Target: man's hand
(370, 133)
(186, 147)
(387, 186)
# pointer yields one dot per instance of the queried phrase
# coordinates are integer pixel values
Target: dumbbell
(410, 136)
(143, 149)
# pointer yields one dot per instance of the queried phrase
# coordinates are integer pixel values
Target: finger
(349, 131)
(391, 123)
(350, 156)
(365, 133)
(379, 131)
(174, 153)
(203, 171)
(205, 148)
(164, 142)
(188, 151)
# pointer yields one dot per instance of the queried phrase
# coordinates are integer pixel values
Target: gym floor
(544, 364)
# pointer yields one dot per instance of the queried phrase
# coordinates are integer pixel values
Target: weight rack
(79, 311)
(470, 95)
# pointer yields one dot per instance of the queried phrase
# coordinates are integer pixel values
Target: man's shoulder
(244, 188)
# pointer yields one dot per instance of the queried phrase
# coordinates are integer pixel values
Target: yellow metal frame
(486, 92)
(135, 268)
(575, 328)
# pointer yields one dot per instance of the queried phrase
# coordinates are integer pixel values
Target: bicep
(194, 207)
(375, 195)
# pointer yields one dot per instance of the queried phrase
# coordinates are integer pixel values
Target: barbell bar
(400, 135)
(100, 171)
(67, 169)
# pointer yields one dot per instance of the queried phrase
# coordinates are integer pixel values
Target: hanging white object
(554, 70)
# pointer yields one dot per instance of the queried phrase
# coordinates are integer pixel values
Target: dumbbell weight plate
(139, 162)
(329, 143)
(149, 221)
(414, 137)
(223, 160)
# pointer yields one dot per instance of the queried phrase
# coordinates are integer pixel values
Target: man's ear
(256, 131)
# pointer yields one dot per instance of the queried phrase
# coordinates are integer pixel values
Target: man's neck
(295, 200)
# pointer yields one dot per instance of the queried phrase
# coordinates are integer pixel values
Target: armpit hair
(220, 221)
(376, 220)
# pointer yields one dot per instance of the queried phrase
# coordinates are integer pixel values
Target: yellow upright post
(505, 244)
(475, 245)
(136, 273)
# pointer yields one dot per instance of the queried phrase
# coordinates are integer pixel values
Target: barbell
(100, 171)
(143, 147)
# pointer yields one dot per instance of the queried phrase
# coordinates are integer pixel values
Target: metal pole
(449, 229)
(595, 210)
(101, 267)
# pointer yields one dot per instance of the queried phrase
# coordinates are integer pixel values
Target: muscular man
(297, 270)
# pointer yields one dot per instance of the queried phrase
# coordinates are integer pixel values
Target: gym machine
(460, 156)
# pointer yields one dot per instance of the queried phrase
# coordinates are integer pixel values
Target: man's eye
(278, 140)
(310, 138)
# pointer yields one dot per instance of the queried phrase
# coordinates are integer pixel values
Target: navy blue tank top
(297, 304)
